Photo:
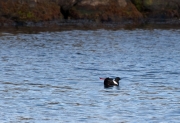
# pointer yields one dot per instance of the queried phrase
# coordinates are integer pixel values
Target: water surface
(54, 76)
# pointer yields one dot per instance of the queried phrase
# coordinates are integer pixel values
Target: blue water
(54, 76)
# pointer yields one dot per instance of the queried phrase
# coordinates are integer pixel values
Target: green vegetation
(138, 4)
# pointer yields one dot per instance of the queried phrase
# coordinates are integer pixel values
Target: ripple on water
(54, 76)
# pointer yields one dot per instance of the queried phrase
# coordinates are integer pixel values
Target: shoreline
(88, 13)
(59, 22)
(65, 25)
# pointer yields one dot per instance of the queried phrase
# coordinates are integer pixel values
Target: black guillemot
(109, 82)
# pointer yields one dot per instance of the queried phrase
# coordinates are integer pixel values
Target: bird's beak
(101, 78)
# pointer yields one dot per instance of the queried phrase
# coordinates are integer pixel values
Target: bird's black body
(109, 82)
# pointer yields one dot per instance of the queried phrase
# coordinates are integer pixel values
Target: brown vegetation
(95, 10)
(105, 12)
(28, 11)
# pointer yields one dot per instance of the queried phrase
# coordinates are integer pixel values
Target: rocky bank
(137, 11)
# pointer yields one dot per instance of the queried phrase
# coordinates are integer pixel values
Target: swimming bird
(109, 82)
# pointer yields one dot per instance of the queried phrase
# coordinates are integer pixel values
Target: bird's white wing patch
(115, 82)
